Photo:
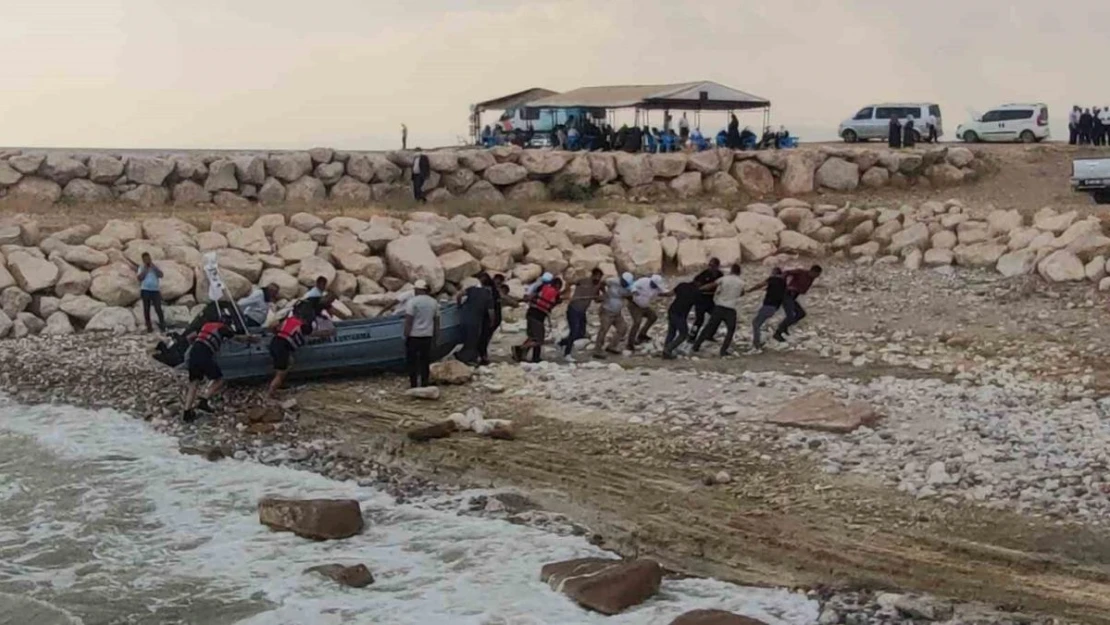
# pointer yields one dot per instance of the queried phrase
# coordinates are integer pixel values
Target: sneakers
(779, 337)
(203, 405)
(669, 356)
(189, 416)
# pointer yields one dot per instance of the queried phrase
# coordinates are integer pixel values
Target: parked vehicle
(1092, 175)
(1027, 123)
(873, 121)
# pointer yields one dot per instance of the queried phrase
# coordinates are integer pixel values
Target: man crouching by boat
(207, 341)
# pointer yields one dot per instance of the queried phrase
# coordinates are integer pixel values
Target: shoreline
(373, 449)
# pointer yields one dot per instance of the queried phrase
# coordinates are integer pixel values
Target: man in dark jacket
(421, 168)
(798, 282)
(894, 137)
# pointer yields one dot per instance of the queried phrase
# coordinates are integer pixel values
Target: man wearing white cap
(611, 314)
(421, 329)
(644, 291)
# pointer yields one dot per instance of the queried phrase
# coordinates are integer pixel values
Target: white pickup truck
(1092, 175)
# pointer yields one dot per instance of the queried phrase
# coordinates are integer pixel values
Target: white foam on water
(194, 525)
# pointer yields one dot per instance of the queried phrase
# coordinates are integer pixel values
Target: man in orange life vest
(291, 335)
(541, 302)
(202, 361)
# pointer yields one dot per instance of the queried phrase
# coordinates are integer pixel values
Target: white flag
(215, 283)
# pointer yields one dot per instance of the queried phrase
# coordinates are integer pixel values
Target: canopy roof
(514, 100)
(702, 95)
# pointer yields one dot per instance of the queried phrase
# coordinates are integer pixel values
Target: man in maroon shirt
(798, 282)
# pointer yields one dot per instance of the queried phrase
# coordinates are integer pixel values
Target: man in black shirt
(703, 304)
(686, 296)
(477, 315)
(772, 301)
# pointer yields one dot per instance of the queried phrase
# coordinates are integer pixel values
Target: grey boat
(359, 346)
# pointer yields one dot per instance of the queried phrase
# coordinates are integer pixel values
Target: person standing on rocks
(404, 137)
(611, 314)
(150, 291)
(476, 310)
(421, 167)
(706, 281)
(586, 291)
(644, 291)
(540, 304)
(202, 365)
(726, 300)
(686, 296)
(421, 330)
(798, 282)
(772, 301)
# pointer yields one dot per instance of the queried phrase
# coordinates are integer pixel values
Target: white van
(873, 121)
(1027, 123)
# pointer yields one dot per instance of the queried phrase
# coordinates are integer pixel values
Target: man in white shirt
(643, 291)
(256, 306)
(726, 300)
(421, 329)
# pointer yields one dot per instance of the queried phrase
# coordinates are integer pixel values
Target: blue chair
(788, 142)
(749, 143)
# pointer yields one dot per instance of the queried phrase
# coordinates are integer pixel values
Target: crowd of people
(584, 134)
(1089, 126)
(625, 312)
(625, 309)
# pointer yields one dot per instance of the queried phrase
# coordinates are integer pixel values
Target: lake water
(103, 521)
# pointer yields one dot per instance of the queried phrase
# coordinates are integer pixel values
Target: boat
(358, 346)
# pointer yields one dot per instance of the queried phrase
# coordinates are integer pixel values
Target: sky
(286, 74)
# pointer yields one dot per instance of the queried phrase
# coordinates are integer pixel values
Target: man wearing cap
(611, 314)
(644, 291)
(421, 329)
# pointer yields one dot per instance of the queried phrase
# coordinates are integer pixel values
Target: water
(103, 521)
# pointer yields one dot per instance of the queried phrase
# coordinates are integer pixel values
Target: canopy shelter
(505, 102)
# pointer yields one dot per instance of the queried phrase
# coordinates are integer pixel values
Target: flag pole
(216, 290)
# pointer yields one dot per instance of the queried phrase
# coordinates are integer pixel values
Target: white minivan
(1027, 123)
(873, 121)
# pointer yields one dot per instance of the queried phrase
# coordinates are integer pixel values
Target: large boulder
(721, 184)
(14, 300)
(185, 167)
(288, 286)
(755, 178)
(602, 167)
(875, 177)
(604, 585)
(714, 617)
(443, 160)
(177, 279)
(62, 168)
(1017, 263)
(6, 279)
(372, 267)
(31, 273)
(146, 196)
(983, 254)
(351, 191)
(318, 519)
(329, 173)
(85, 257)
(916, 236)
(823, 412)
(27, 164)
(35, 190)
(112, 319)
(8, 175)
(251, 240)
(313, 268)
(250, 169)
(690, 256)
(763, 226)
(688, 184)
(959, 157)
(791, 242)
(636, 247)
(528, 191)
(235, 285)
(458, 181)
(80, 190)
(146, 170)
(378, 236)
(681, 226)
(667, 164)
(81, 307)
(542, 162)
(272, 192)
(296, 251)
(634, 169)
(239, 262)
(838, 174)
(584, 232)
(485, 240)
(411, 258)
(1048, 220)
(221, 176)
(58, 324)
(111, 286)
(705, 162)
(289, 167)
(797, 177)
(1062, 266)
(476, 160)
(122, 230)
(189, 193)
(483, 192)
(505, 174)
(943, 175)
(306, 190)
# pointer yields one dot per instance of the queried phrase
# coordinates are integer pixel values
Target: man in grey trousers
(772, 301)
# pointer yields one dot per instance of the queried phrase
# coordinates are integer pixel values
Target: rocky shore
(60, 282)
(488, 176)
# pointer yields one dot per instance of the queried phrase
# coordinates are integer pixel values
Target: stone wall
(78, 278)
(485, 176)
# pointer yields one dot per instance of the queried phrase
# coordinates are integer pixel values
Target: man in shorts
(291, 335)
(202, 364)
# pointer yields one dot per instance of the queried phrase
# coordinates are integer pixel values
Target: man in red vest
(291, 335)
(202, 364)
(540, 304)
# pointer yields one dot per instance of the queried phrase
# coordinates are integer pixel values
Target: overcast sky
(347, 73)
